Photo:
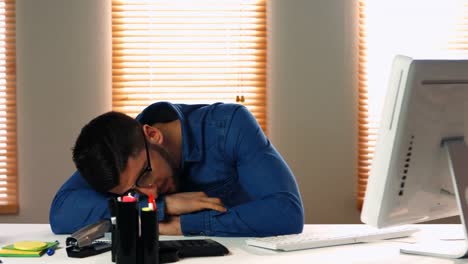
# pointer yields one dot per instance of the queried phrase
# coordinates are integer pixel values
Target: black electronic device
(187, 248)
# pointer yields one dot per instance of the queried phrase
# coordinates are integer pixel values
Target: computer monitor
(420, 165)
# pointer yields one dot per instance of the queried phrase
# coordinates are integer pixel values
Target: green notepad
(11, 251)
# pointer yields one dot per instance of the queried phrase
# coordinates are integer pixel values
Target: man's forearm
(278, 214)
(72, 210)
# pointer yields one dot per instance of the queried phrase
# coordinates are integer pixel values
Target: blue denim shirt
(224, 154)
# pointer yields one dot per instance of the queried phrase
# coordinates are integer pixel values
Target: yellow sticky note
(30, 245)
(27, 249)
(18, 253)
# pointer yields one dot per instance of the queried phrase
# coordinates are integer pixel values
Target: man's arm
(76, 205)
(275, 206)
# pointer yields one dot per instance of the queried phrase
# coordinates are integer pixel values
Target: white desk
(378, 252)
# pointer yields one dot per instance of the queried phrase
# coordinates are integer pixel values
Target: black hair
(103, 147)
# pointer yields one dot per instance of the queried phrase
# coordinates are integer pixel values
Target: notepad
(26, 249)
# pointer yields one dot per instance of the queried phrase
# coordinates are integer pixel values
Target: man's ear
(153, 134)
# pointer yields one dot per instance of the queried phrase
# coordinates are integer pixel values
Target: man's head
(114, 151)
(103, 147)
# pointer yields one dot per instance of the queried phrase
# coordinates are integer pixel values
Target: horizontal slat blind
(424, 28)
(8, 163)
(366, 142)
(459, 44)
(189, 51)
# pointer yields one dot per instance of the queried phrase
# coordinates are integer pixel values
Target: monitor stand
(457, 153)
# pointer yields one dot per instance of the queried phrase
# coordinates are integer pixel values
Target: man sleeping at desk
(211, 168)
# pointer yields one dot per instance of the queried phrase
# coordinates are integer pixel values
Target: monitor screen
(410, 178)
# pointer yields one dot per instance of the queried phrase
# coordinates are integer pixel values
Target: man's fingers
(170, 227)
(216, 207)
(163, 229)
(192, 194)
(213, 200)
(184, 203)
(213, 204)
(167, 229)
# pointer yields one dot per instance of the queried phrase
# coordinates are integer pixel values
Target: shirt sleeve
(274, 207)
(76, 205)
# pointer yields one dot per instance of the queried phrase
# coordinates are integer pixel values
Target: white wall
(64, 71)
(64, 79)
(312, 102)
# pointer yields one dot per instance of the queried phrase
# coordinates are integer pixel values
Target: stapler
(85, 242)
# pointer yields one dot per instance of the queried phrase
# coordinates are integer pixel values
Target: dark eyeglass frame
(147, 169)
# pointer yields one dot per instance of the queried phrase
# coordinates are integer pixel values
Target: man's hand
(189, 202)
(171, 227)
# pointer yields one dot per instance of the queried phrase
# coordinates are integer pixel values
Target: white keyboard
(327, 238)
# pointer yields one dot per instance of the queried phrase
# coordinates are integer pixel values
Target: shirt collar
(191, 136)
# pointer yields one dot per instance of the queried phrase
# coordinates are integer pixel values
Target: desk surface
(377, 252)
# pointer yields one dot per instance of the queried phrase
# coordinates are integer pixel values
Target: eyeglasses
(145, 180)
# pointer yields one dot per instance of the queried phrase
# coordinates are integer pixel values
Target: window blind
(419, 29)
(366, 133)
(8, 164)
(189, 51)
